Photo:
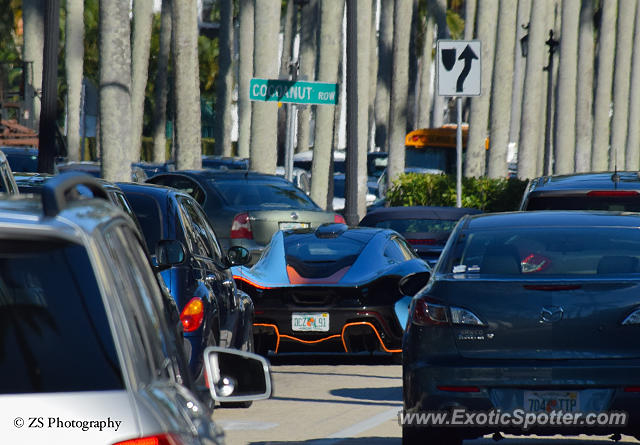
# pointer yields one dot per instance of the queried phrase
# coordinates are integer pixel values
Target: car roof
(627, 180)
(150, 189)
(417, 212)
(333, 231)
(551, 218)
(19, 150)
(229, 175)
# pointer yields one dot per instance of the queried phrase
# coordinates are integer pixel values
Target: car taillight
(464, 316)
(428, 241)
(633, 318)
(192, 315)
(612, 193)
(428, 313)
(337, 218)
(241, 227)
(158, 439)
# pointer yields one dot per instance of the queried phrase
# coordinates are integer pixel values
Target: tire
(428, 436)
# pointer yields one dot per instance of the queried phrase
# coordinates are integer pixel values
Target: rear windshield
(54, 333)
(314, 257)
(149, 216)
(609, 203)
(417, 225)
(264, 195)
(546, 251)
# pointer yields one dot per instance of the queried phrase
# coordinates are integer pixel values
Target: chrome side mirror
(237, 376)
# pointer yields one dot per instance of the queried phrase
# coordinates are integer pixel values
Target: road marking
(358, 428)
(239, 425)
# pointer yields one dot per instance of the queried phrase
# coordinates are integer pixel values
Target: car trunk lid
(264, 223)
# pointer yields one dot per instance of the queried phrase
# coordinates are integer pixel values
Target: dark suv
(85, 333)
(610, 191)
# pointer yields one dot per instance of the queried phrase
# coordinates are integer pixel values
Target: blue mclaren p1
(332, 288)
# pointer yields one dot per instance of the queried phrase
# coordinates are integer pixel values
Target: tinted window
(320, 257)
(182, 183)
(547, 251)
(263, 195)
(417, 225)
(200, 236)
(439, 158)
(609, 203)
(54, 333)
(149, 217)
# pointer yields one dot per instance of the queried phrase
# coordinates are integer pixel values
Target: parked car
(584, 191)
(536, 311)
(87, 353)
(247, 208)
(213, 312)
(93, 168)
(7, 183)
(332, 284)
(154, 168)
(22, 159)
(339, 186)
(301, 178)
(426, 229)
(225, 162)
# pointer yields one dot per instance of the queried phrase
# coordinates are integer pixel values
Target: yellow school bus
(434, 148)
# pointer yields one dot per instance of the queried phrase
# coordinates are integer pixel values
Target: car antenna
(615, 177)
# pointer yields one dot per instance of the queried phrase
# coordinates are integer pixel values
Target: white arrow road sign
(458, 71)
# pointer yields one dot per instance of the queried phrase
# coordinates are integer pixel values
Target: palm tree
(140, 42)
(245, 72)
(383, 89)
(479, 116)
(622, 76)
(160, 88)
(470, 7)
(602, 103)
(524, 11)
(33, 32)
(264, 117)
(438, 8)
(224, 87)
(584, 104)
(115, 89)
(403, 11)
(307, 59)
(565, 127)
(373, 80)
(633, 136)
(188, 147)
(426, 61)
(502, 92)
(74, 54)
(329, 51)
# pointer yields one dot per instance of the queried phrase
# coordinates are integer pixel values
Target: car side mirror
(237, 376)
(169, 253)
(410, 284)
(238, 256)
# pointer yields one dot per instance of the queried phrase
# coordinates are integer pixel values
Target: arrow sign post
(458, 74)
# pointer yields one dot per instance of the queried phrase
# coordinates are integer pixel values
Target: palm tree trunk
(115, 90)
(403, 11)
(633, 137)
(188, 149)
(470, 7)
(224, 87)
(264, 116)
(373, 80)
(141, 42)
(74, 55)
(602, 104)
(426, 63)
(502, 92)
(524, 11)
(33, 32)
(329, 51)
(438, 8)
(245, 73)
(383, 90)
(307, 59)
(565, 124)
(160, 92)
(622, 76)
(584, 105)
(475, 159)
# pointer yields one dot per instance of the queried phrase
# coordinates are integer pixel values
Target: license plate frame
(310, 321)
(548, 401)
(289, 225)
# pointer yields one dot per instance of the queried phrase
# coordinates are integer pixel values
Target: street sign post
(458, 74)
(293, 91)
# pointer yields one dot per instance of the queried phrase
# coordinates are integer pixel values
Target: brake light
(633, 318)
(158, 439)
(632, 389)
(429, 242)
(192, 315)
(339, 219)
(427, 313)
(241, 227)
(612, 193)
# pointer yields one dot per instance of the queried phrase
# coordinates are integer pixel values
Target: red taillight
(459, 388)
(632, 389)
(241, 227)
(427, 313)
(192, 315)
(612, 193)
(339, 219)
(159, 439)
(550, 287)
(423, 242)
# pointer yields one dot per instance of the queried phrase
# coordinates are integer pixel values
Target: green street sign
(298, 92)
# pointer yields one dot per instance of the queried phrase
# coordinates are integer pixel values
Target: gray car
(530, 312)
(87, 353)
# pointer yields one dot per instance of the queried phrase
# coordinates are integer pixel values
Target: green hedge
(147, 147)
(489, 195)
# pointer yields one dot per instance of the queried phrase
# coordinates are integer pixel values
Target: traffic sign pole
(291, 120)
(459, 154)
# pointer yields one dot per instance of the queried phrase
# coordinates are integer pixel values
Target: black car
(7, 182)
(224, 162)
(425, 228)
(212, 310)
(22, 159)
(94, 169)
(247, 208)
(615, 191)
(528, 314)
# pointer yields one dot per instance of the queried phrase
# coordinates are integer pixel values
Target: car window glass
(195, 233)
(406, 249)
(149, 216)
(201, 222)
(182, 183)
(55, 334)
(585, 202)
(417, 225)
(393, 251)
(264, 195)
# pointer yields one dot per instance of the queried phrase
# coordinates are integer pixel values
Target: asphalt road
(340, 399)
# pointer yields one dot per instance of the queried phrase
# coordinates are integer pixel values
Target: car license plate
(547, 401)
(292, 225)
(310, 322)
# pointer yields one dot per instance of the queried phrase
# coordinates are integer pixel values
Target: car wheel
(418, 436)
